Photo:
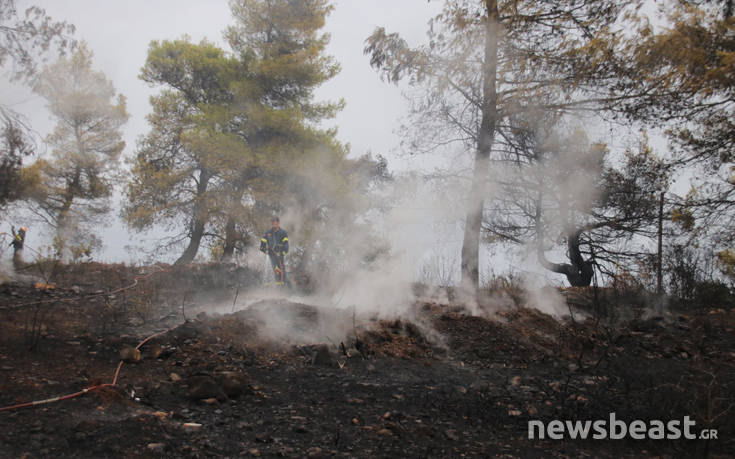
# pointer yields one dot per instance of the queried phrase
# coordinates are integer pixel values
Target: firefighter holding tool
(19, 240)
(274, 243)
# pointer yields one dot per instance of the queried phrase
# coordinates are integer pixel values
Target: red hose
(55, 399)
(88, 389)
(94, 295)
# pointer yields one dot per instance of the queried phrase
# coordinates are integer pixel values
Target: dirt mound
(394, 338)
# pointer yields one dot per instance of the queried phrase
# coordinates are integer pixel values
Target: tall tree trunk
(579, 272)
(198, 223)
(71, 191)
(476, 200)
(660, 251)
(197, 232)
(63, 219)
(231, 238)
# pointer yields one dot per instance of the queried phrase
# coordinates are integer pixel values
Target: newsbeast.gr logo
(617, 429)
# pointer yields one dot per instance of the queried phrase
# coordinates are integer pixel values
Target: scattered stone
(355, 421)
(255, 452)
(514, 412)
(386, 415)
(385, 432)
(155, 447)
(203, 387)
(174, 377)
(314, 452)
(192, 427)
(210, 401)
(187, 330)
(129, 354)
(234, 383)
(516, 380)
(154, 351)
(44, 286)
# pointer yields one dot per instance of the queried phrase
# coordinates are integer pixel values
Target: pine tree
(77, 181)
(488, 61)
(177, 161)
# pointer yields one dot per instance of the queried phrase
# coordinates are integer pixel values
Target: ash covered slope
(436, 382)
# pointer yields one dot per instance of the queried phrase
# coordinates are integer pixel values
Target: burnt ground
(445, 384)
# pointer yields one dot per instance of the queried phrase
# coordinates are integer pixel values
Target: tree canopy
(77, 181)
(26, 42)
(489, 64)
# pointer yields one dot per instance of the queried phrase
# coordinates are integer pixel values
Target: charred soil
(442, 384)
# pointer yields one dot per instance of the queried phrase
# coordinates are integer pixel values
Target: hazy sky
(118, 32)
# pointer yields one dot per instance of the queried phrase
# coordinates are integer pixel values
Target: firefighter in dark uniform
(275, 243)
(19, 239)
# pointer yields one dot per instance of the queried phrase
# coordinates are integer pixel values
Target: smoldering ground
(371, 248)
(364, 267)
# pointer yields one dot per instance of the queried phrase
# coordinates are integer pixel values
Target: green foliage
(281, 44)
(15, 144)
(71, 189)
(236, 137)
(26, 41)
(684, 218)
(79, 250)
(686, 69)
(565, 192)
(177, 159)
(201, 73)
